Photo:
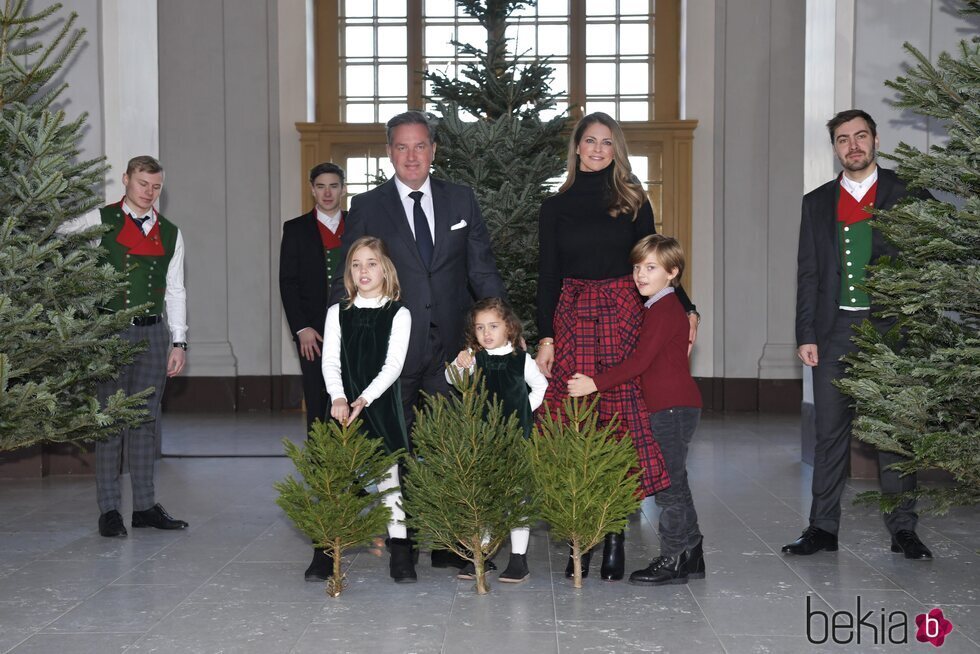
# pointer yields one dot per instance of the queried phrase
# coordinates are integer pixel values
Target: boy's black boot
(614, 557)
(401, 565)
(662, 570)
(570, 566)
(321, 568)
(516, 571)
(693, 560)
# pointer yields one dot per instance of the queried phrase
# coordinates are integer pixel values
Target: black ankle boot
(613, 557)
(401, 565)
(662, 570)
(570, 566)
(693, 561)
(321, 568)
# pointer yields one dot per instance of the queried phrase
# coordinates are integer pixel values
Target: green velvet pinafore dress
(504, 375)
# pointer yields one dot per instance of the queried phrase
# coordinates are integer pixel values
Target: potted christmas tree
(330, 505)
(586, 479)
(469, 485)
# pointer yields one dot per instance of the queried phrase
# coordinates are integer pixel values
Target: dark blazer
(818, 262)
(303, 282)
(463, 267)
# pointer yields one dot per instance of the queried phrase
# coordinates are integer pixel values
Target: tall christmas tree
(505, 152)
(916, 388)
(54, 343)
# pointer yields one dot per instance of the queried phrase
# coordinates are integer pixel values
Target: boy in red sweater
(672, 399)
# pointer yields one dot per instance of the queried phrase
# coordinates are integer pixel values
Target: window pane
(634, 39)
(633, 79)
(359, 41)
(553, 40)
(437, 38)
(639, 166)
(392, 80)
(354, 8)
(389, 109)
(548, 114)
(600, 79)
(475, 35)
(392, 41)
(600, 8)
(634, 110)
(437, 8)
(559, 83)
(356, 169)
(359, 81)
(633, 7)
(552, 7)
(592, 106)
(600, 39)
(523, 40)
(389, 8)
(360, 113)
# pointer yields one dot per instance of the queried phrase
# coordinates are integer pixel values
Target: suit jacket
(303, 279)
(462, 269)
(818, 274)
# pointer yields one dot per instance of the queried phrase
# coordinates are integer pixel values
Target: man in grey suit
(440, 246)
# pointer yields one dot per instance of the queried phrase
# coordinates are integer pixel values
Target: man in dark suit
(441, 249)
(309, 253)
(837, 243)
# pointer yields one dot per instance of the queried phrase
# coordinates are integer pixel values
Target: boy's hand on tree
(355, 408)
(340, 411)
(580, 385)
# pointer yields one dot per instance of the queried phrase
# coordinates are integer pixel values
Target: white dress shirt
(858, 190)
(401, 327)
(409, 205)
(175, 297)
(537, 382)
(330, 222)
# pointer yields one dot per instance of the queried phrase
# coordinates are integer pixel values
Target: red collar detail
(131, 237)
(850, 211)
(329, 239)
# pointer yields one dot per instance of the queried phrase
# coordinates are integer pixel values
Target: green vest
(504, 375)
(855, 255)
(364, 335)
(332, 257)
(147, 275)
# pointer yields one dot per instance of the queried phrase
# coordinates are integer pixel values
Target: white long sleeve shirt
(401, 327)
(537, 382)
(175, 297)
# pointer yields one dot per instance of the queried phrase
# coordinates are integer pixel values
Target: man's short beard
(863, 164)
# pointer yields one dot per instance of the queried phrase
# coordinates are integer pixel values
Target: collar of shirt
(659, 295)
(151, 214)
(409, 205)
(330, 222)
(403, 189)
(858, 190)
(362, 302)
(503, 349)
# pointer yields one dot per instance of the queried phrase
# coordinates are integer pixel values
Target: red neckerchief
(329, 239)
(850, 211)
(132, 237)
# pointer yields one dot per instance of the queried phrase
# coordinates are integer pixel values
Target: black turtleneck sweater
(579, 239)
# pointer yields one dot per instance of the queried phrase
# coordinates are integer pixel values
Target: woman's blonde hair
(669, 253)
(390, 287)
(626, 195)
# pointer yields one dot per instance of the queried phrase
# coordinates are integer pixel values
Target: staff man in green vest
(150, 250)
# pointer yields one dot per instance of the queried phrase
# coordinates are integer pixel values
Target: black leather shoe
(662, 570)
(468, 571)
(111, 524)
(447, 559)
(321, 568)
(516, 571)
(812, 541)
(613, 557)
(400, 564)
(906, 541)
(693, 561)
(156, 516)
(570, 566)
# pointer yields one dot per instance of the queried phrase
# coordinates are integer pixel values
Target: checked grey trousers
(148, 369)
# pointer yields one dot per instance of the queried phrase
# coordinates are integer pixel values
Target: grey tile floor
(233, 581)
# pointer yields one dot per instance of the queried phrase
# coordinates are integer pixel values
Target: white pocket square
(460, 225)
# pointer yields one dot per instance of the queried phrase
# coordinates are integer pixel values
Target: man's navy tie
(139, 221)
(423, 237)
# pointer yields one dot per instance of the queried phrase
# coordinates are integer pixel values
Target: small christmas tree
(470, 483)
(331, 506)
(916, 388)
(55, 345)
(508, 153)
(587, 480)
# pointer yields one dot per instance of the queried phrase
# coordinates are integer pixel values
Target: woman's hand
(581, 385)
(545, 358)
(340, 411)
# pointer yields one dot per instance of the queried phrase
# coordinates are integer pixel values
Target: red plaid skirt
(597, 323)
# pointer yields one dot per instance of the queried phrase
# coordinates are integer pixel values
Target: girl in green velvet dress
(493, 337)
(364, 348)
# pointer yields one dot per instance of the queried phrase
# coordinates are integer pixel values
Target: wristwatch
(182, 345)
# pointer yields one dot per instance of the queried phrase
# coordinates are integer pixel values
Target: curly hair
(499, 306)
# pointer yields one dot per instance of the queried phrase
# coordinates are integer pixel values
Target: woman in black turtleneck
(589, 311)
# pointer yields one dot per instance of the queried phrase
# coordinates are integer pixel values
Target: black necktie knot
(423, 235)
(139, 221)
(417, 196)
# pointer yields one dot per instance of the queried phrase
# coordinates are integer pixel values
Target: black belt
(145, 321)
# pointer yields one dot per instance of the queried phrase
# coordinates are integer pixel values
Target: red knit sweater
(659, 360)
